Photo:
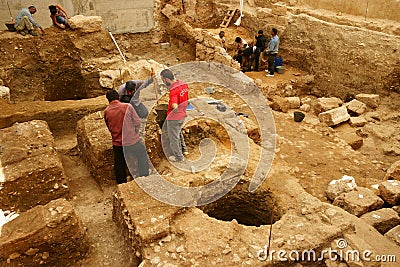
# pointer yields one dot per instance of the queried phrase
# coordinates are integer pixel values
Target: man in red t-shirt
(178, 102)
(123, 124)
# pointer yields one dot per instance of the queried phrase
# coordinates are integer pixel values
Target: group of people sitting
(250, 57)
(25, 23)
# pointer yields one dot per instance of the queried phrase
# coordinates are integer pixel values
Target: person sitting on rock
(130, 93)
(59, 16)
(25, 21)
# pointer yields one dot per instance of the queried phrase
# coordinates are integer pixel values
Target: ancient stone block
(86, 24)
(113, 78)
(393, 173)
(326, 103)
(356, 107)
(359, 201)
(394, 234)
(5, 93)
(370, 100)
(292, 102)
(390, 191)
(50, 235)
(342, 185)
(279, 10)
(94, 142)
(30, 171)
(334, 116)
(383, 220)
(357, 121)
(391, 149)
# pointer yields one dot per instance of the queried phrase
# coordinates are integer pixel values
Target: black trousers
(138, 151)
(271, 63)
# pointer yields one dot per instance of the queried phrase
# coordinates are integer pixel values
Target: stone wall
(344, 59)
(388, 9)
(120, 16)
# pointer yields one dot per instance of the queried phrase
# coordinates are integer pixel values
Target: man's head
(221, 34)
(274, 32)
(32, 9)
(167, 77)
(130, 87)
(260, 32)
(112, 95)
(53, 9)
(238, 40)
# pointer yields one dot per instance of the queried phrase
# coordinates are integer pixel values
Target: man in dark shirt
(123, 124)
(261, 41)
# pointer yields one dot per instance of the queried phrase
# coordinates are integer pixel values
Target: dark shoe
(22, 33)
(32, 33)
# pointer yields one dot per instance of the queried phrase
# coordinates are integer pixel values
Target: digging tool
(9, 10)
(11, 25)
(115, 42)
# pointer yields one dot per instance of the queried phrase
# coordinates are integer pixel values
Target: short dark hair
(274, 30)
(221, 32)
(112, 95)
(166, 73)
(130, 86)
(53, 9)
(260, 32)
(31, 7)
(238, 39)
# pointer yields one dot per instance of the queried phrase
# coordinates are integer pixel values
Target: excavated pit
(244, 207)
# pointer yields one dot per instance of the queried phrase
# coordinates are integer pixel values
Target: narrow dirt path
(93, 204)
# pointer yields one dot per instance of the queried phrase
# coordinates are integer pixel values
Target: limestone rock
(353, 140)
(54, 230)
(342, 185)
(326, 103)
(169, 11)
(390, 191)
(383, 220)
(305, 107)
(334, 116)
(356, 107)
(113, 78)
(278, 9)
(30, 167)
(357, 121)
(393, 173)
(5, 93)
(292, 102)
(394, 234)
(86, 24)
(359, 201)
(391, 149)
(371, 100)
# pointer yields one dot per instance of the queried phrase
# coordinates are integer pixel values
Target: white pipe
(115, 42)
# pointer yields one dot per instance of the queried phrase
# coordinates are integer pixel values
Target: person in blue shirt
(129, 92)
(272, 52)
(25, 21)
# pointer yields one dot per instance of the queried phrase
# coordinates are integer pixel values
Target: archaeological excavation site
(298, 166)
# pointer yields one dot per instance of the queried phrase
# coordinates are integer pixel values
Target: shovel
(10, 25)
